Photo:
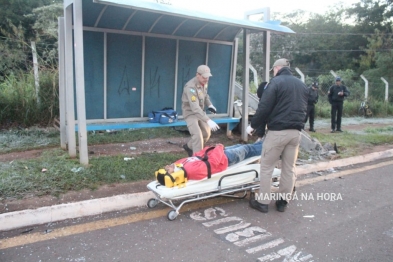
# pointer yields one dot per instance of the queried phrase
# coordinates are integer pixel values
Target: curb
(50, 214)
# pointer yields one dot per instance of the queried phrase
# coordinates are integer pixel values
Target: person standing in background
(336, 96)
(194, 100)
(261, 130)
(312, 100)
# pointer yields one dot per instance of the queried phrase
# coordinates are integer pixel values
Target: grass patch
(379, 130)
(15, 140)
(21, 178)
(131, 135)
(25, 177)
(350, 143)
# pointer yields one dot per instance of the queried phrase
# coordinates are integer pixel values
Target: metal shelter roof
(154, 18)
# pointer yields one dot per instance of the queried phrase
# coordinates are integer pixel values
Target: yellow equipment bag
(177, 178)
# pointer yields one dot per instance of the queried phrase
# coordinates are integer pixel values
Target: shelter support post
(246, 82)
(69, 81)
(232, 85)
(266, 46)
(62, 93)
(80, 83)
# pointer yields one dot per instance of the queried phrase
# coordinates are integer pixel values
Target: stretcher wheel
(152, 203)
(172, 215)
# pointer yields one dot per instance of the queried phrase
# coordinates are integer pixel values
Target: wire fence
(371, 88)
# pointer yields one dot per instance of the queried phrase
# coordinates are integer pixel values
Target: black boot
(258, 206)
(281, 205)
(189, 151)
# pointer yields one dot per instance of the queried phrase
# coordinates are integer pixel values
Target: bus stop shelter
(121, 59)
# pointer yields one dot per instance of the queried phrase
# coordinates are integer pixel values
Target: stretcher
(241, 177)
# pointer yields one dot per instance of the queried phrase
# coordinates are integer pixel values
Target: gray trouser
(200, 133)
(286, 144)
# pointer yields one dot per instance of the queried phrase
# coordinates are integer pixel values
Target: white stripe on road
(269, 257)
(238, 226)
(220, 221)
(270, 244)
(252, 239)
(287, 253)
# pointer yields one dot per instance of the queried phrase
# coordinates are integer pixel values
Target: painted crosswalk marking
(243, 234)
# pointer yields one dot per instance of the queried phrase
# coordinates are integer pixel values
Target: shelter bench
(232, 122)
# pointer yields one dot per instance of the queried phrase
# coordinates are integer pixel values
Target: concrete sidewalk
(30, 217)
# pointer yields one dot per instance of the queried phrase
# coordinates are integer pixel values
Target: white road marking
(249, 240)
(209, 213)
(269, 257)
(248, 232)
(287, 253)
(222, 220)
(268, 245)
(197, 216)
(238, 226)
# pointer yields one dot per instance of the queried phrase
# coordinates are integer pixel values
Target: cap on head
(204, 71)
(338, 78)
(281, 62)
(315, 84)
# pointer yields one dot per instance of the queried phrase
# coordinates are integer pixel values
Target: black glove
(213, 110)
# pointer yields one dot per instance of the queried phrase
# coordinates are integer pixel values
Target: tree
(373, 14)
(318, 43)
(15, 12)
(40, 22)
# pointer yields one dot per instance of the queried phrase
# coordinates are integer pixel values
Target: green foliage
(373, 14)
(132, 135)
(351, 108)
(331, 41)
(15, 12)
(54, 173)
(16, 33)
(18, 100)
(13, 140)
(14, 52)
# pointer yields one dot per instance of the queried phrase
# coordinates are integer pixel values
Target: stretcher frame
(218, 190)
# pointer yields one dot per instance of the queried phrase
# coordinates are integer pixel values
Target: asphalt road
(341, 216)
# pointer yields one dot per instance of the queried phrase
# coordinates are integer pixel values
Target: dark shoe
(281, 205)
(258, 206)
(339, 130)
(189, 151)
(311, 130)
(332, 131)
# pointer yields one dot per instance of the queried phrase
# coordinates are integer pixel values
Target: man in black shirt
(312, 100)
(336, 96)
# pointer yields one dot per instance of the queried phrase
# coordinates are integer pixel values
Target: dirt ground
(153, 145)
